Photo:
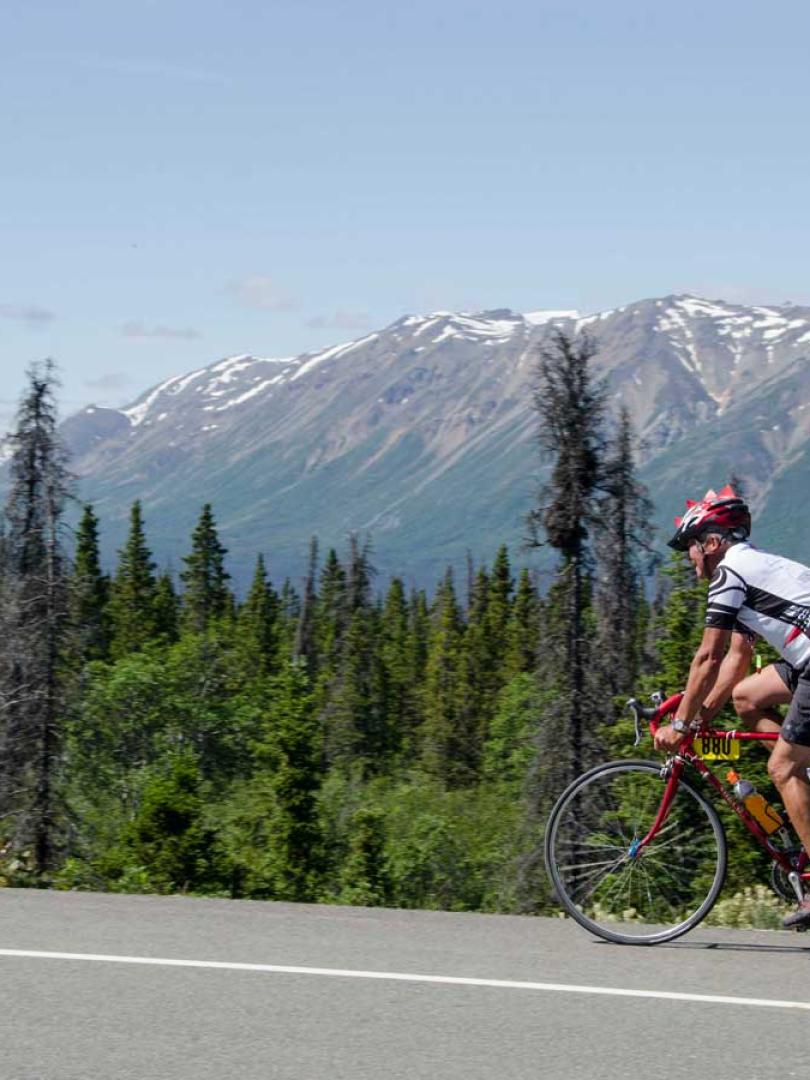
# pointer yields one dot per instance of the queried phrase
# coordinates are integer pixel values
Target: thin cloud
(140, 330)
(262, 293)
(139, 67)
(110, 382)
(31, 314)
(340, 320)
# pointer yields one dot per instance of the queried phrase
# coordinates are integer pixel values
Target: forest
(337, 739)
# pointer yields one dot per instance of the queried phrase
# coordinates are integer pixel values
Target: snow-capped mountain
(423, 432)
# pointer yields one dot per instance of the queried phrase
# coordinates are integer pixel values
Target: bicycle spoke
(585, 865)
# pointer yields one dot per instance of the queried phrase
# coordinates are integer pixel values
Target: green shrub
(755, 908)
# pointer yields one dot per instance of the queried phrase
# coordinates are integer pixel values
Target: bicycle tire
(630, 894)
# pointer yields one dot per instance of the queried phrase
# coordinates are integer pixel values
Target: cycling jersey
(766, 595)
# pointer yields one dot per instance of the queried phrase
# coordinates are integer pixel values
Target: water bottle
(757, 805)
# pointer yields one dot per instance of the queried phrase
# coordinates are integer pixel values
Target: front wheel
(611, 884)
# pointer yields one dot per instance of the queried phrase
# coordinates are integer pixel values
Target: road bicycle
(637, 855)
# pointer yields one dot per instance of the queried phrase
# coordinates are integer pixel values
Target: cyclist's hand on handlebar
(668, 739)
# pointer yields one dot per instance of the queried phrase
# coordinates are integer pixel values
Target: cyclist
(750, 592)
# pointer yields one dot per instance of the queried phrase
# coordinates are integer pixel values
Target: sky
(183, 181)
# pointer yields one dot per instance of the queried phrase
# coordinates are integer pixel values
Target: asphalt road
(105, 1019)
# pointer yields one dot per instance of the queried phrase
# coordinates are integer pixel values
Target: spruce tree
(499, 608)
(166, 610)
(89, 593)
(360, 575)
(396, 656)
(330, 620)
(570, 406)
(33, 623)
(132, 598)
(523, 630)
(478, 678)
(417, 649)
(623, 541)
(306, 644)
(445, 749)
(206, 597)
(258, 622)
(291, 750)
(289, 615)
(418, 635)
(355, 712)
(495, 630)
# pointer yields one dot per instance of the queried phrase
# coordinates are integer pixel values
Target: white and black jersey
(766, 595)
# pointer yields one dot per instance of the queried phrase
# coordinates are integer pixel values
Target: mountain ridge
(423, 431)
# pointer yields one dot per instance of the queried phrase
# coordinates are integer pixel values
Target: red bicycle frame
(686, 755)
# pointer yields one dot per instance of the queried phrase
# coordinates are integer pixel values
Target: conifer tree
(33, 623)
(570, 407)
(355, 713)
(499, 607)
(291, 750)
(396, 657)
(417, 649)
(359, 577)
(258, 621)
(495, 631)
(306, 645)
(132, 596)
(206, 596)
(523, 630)
(166, 610)
(623, 539)
(445, 749)
(418, 635)
(478, 678)
(89, 593)
(330, 622)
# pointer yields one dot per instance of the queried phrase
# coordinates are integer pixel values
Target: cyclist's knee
(744, 702)
(781, 768)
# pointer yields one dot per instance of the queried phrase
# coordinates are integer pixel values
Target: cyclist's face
(705, 555)
(697, 557)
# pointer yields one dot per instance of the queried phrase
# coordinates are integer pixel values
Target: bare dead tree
(33, 621)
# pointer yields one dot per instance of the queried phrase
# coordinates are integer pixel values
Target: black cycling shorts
(796, 725)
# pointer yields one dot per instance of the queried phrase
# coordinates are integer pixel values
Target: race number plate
(716, 748)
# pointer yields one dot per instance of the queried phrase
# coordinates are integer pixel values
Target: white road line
(394, 976)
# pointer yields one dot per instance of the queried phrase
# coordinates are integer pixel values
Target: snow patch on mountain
(136, 414)
(254, 391)
(540, 318)
(313, 360)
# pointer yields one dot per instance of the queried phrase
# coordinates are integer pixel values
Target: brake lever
(634, 707)
(638, 710)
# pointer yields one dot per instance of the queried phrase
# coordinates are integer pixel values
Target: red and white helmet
(723, 510)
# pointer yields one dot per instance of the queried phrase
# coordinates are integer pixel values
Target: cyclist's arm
(703, 671)
(702, 677)
(733, 667)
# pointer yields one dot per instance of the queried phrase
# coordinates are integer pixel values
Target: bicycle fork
(672, 770)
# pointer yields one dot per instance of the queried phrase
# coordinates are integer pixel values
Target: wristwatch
(684, 728)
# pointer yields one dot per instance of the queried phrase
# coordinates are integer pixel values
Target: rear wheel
(607, 881)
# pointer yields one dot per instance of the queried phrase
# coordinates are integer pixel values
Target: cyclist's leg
(756, 696)
(787, 767)
(790, 759)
